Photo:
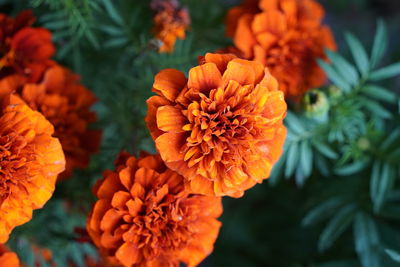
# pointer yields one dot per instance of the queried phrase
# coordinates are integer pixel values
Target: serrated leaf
(386, 72)
(359, 54)
(351, 168)
(379, 93)
(366, 239)
(325, 150)
(292, 159)
(343, 67)
(380, 43)
(334, 76)
(336, 226)
(394, 255)
(322, 211)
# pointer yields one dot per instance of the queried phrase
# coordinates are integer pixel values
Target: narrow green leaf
(374, 180)
(343, 67)
(386, 72)
(294, 124)
(379, 93)
(306, 158)
(117, 42)
(388, 142)
(325, 150)
(380, 43)
(112, 12)
(292, 159)
(111, 30)
(336, 226)
(366, 239)
(359, 54)
(376, 109)
(334, 76)
(394, 255)
(351, 168)
(381, 184)
(322, 211)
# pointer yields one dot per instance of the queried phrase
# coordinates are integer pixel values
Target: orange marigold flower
(25, 50)
(31, 159)
(8, 258)
(145, 217)
(286, 36)
(66, 104)
(170, 22)
(222, 128)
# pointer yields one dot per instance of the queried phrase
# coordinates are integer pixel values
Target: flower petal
(169, 83)
(170, 119)
(204, 77)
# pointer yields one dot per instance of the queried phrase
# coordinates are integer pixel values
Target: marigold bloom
(222, 128)
(31, 159)
(170, 22)
(25, 50)
(8, 258)
(66, 104)
(286, 36)
(145, 217)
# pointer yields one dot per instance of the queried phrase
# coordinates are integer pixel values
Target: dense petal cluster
(145, 217)
(24, 50)
(30, 160)
(8, 258)
(66, 104)
(222, 127)
(284, 35)
(170, 22)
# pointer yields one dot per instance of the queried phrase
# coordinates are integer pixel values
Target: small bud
(363, 144)
(315, 105)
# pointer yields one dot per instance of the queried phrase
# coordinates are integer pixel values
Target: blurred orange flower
(145, 217)
(25, 50)
(66, 104)
(170, 22)
(284, 35)
(8, 258)
(31, 159)
(222, 128)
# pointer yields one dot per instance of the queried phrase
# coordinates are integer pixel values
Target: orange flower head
(26, 50)
(8, 258)
(170, 22)
(31, 159)
(222, 128)
(146, 218)
(66, 104)
(286, 36)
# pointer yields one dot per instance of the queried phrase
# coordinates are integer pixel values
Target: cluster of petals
(286, 36)
(146, 217)
(66, 103)
(8, 258)
(31, 159)
(221, 128)
(25, 50)
(170, 23)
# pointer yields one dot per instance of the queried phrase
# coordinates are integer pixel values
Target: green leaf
(382, 181)
(336, 226)
(116, 42)
(394, 255)
(325, 150)
(322, 211)
(380, 43)
(351, 168)
(379, 93)
(306, 158)
(334, 76)
(366, 239)
(292, 159)
(386, 72)
(388, 142)
(343, 67)
(376, 109)
(294, 124)
(359, 54)
(112, 12)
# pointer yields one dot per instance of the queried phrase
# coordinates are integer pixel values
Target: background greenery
(334, 198)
